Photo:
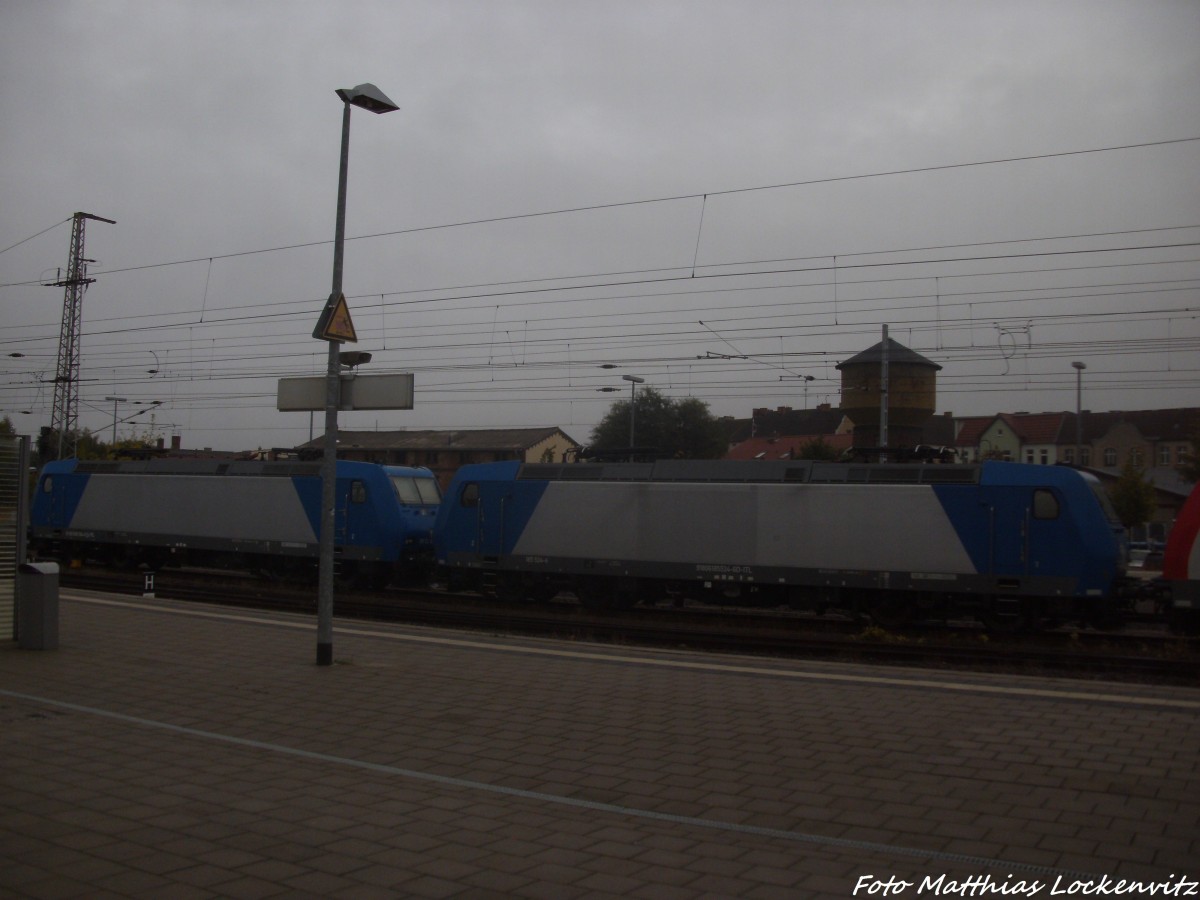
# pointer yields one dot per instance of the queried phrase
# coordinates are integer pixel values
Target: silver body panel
(194, 508)
(739, 524)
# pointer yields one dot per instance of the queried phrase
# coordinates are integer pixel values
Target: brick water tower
(911, 391)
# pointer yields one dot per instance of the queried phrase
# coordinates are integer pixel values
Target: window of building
(1045, 457)
(1110, 456)
(1137, 457)
(1085, 456)
(1028, 456)
(1164, 454)
(1069, 456)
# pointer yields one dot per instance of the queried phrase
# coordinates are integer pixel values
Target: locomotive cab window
(1045, 505)
(470, 495)
(358, 492)
(416, 491)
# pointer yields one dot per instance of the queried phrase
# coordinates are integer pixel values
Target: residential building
(1157, 441)
(781, 433)
(788, 446)
(1017, 437)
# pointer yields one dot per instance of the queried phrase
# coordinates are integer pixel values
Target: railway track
(1145, 655)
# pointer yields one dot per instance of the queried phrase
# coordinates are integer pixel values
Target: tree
(87, 445)
(91, 446)
(681, 428)
(1132, 495)
(818, 448)
(7, 428)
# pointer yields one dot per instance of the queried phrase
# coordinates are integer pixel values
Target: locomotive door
(1043, 534)
(58, 501)
(493, 502)
(1008, 528)
(1023, 532)
(350, 494)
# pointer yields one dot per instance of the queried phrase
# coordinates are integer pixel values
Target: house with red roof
(788, 446)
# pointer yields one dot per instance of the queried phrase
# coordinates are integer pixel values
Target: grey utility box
(37, 606)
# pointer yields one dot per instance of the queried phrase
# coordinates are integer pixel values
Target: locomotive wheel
(1023, 620)
(604, 593)
(542, 593)
(594, 593)
(1002, 624)
(1102, 615)
(511, 588)
(892, 612)
(1184, 621)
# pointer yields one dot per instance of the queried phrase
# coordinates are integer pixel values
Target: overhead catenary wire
(653, 200)
(39, 234)
(634, 329)
(304, 306)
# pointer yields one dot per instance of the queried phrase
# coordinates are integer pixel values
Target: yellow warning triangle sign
(335, 323)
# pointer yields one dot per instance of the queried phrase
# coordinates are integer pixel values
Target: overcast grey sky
(664, 186)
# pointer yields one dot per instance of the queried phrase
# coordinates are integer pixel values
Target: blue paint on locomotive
(370, 512)
(493, 486)
(1024, 521)
(55, 501)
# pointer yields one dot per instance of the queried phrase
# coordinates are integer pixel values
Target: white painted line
(558, 800)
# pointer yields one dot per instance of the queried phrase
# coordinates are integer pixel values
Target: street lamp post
(634, 381)
(1079, 367)
(369, 97)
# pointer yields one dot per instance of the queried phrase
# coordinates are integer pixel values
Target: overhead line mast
(64, 417)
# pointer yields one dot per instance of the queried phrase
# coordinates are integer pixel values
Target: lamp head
(368, 97)
(1078, 365)
(634, 379)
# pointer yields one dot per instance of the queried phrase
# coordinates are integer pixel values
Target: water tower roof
(897, 353)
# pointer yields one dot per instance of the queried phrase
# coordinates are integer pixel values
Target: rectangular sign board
(357, 392)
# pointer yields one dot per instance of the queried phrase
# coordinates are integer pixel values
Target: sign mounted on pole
(307, 394)
(335, 324)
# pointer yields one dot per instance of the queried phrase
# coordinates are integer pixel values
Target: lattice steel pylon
(64, 417)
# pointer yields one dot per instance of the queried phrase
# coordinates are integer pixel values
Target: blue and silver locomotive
(260, 516)
(1007, 542)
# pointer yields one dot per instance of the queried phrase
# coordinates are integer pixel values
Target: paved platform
(173, 750)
